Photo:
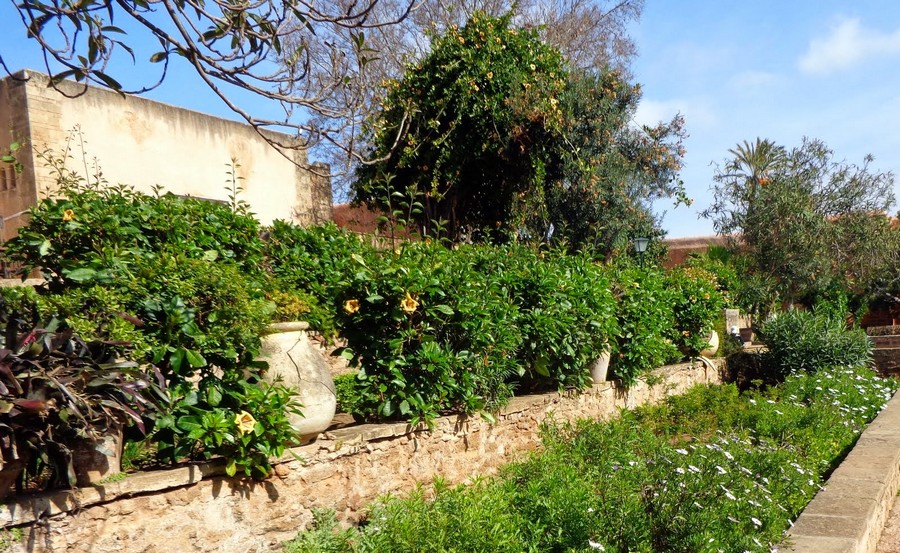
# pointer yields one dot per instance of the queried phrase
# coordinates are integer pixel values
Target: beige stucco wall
(144, 143)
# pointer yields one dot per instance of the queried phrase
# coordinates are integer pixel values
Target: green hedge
(191, 284)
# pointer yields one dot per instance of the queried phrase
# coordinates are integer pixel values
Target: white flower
(756, 521)
(595, 545)
(679, 470)
(720, 469)
(693, 469)
(728, 456)
(682, 451)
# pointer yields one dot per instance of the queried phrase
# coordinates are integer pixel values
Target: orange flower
(245, 422)
(409, 304)
(351, 306)
(68, 215)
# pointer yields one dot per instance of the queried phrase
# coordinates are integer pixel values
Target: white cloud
(848, 43)
(696, 113)
(753, 81)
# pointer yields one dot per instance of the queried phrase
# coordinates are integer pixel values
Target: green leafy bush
(429, 333)
(565, 311)
(696, 305)
(812, 340)
(182, 280)
(314, 261)
(93, 233)
(244, 422)
(645, 317)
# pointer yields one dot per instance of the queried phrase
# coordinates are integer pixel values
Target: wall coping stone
(848, 514)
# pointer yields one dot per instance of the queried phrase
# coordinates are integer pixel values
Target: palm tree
(754, 162)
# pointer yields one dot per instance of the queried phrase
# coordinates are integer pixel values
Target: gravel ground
(890, 539)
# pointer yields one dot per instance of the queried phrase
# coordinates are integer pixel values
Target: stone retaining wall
(886, 353)
(197, 508)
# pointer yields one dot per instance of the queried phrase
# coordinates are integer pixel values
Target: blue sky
(774, 69)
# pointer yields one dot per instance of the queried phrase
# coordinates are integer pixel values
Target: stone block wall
(197, 508)
(886, 353)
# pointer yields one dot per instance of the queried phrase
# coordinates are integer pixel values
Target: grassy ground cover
(712, 470)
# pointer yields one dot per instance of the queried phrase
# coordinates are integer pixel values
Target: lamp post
(640, 246)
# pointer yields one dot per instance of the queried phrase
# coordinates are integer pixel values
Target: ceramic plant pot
(300, 365)
(600, 367)
(95, 460)
(713, 344)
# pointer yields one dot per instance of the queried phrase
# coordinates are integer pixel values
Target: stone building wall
(198, 509)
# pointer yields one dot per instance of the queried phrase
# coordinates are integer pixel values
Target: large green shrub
(566, 311)
(646, 318)
(471, 130)
(181, 280)
(696, 305)
(429, 333)
(316, 261)
(93, 233)
(812, 340)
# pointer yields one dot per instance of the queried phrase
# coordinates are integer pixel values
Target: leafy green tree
(805, 223)
(611, 170)
(499, 139)
(476, 121)
(590, 34)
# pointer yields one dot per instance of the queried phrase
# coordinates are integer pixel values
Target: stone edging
(849, 514)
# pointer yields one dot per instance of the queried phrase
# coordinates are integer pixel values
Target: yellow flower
(409, 304)
(68, 215)
(351, 306)
(245, 422)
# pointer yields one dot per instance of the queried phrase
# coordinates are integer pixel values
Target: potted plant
(697, 304)
(60, 395)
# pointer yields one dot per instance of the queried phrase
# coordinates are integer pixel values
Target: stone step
(892, 341)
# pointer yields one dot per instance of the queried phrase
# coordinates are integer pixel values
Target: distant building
(143, 143)
(680, 249)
